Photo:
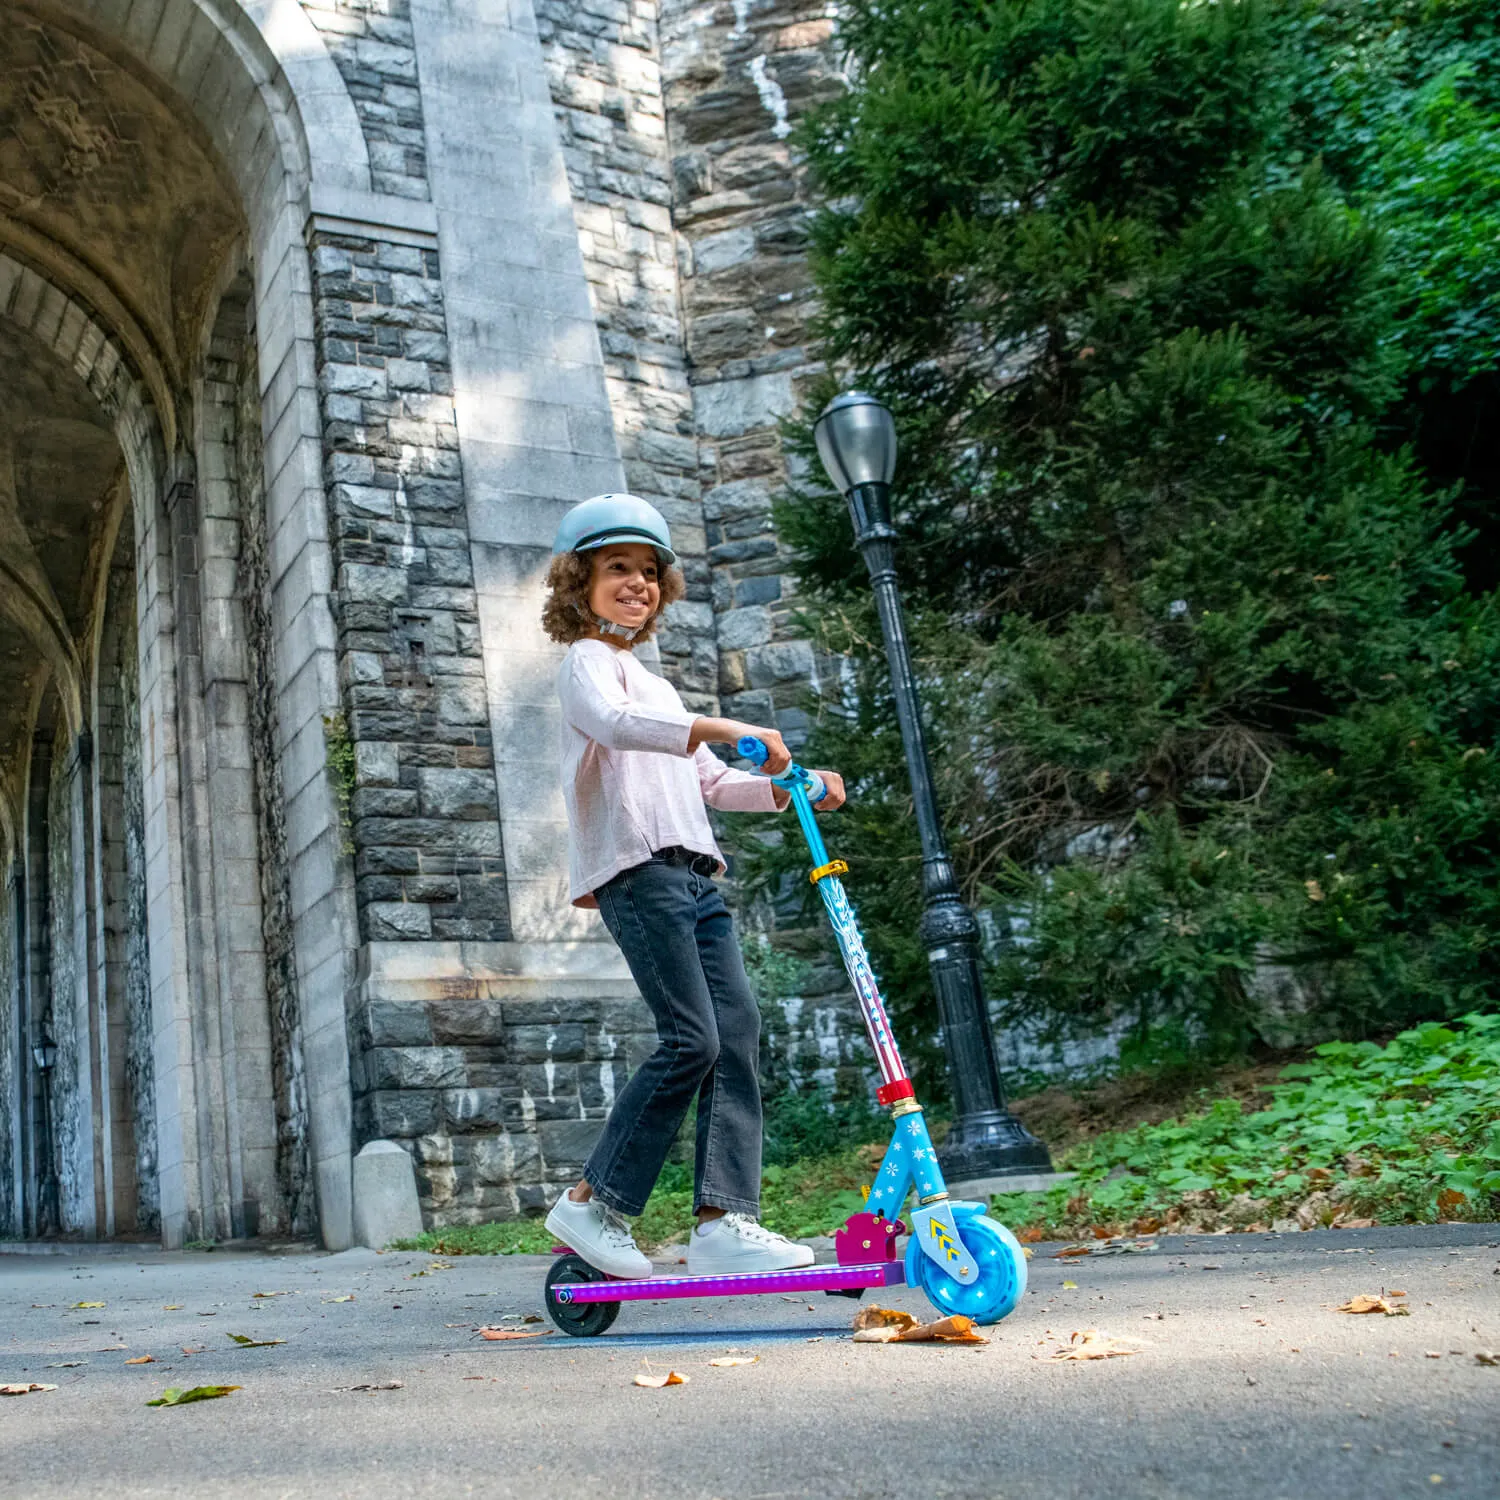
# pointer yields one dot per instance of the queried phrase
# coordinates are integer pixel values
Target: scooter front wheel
(1002, 1270)
(581, 1319)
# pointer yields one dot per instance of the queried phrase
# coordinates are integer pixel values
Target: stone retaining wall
(494, 1065)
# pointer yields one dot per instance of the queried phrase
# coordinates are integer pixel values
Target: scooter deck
(805, 1279)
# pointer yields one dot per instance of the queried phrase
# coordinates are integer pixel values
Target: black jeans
(678, 938)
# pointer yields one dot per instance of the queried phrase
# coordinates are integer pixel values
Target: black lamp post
(44, 1055)
(856, 439)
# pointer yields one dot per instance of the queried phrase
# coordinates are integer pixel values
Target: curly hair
(566, 616)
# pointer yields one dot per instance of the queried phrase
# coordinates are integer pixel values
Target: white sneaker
(600, 1236)
(737, 1244)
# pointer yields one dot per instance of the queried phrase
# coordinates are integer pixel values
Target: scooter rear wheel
(581, 1319)
(1002, 1269)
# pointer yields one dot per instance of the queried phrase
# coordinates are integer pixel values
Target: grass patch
(1408, 1133)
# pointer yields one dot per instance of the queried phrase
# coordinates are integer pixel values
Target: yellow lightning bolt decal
(944, 1242)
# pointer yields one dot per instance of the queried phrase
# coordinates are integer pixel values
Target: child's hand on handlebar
(778, 757)
(835, 796)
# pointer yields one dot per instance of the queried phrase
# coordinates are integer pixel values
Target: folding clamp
(833, 867)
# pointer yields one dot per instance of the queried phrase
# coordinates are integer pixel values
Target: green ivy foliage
(1406, 1133)
(1207, 687)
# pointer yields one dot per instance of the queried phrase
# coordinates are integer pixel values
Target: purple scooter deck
(808, 1279)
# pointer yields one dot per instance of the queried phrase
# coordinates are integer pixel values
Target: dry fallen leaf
(955, 1330)
(1488, 1357)
(255, 1295)
(25, 1388)
(246, 1342)
(1069, 1251)
(77, 1305)
(1070, 1286)
(142, 1359)
(732, 1361)
(883, 1317)
(377, 1385)
(177, 1306)
(1031, 1236)
(67, 1364)
(494, 1334)
(656, 1382)
(1091, 1344)
(1367, 1304)
(349, 1298)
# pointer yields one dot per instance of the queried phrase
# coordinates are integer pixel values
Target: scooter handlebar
(754, 750)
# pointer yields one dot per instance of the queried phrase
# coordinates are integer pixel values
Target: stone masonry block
(376, 764)
(402, 1112)
(474, 1109)
(565, 1144)
(416, 1067)
(468, 1022)
(398, 1023)
(467, 795)
(506, 1157)
(727, 408)
(397, 919)
(737, 501)
(779, 662)
(741, 628)
(539, 1044)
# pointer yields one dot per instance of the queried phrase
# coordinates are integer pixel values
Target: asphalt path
(1245, 1383)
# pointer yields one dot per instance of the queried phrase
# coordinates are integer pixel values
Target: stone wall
(371, 44)
(494, 1068)
(422, 804)
(734, 79)
(605, 77)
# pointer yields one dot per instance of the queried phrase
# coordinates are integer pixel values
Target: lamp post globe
(856, 440)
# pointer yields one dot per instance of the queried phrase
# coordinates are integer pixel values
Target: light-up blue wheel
(1002, 1269)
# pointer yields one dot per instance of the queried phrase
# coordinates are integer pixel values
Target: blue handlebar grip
(753, 749)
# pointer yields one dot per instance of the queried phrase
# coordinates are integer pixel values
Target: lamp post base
(991, 1143)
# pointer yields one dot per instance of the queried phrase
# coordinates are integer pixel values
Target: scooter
(962, 1260)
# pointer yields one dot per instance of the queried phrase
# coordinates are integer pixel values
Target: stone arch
(256, 74)
(264, 93)
(67, 327)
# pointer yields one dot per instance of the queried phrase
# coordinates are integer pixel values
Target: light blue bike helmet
(614, 518)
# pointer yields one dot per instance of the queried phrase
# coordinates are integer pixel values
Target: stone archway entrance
(148, 585)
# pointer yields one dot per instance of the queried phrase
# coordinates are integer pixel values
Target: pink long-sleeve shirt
(630, 782)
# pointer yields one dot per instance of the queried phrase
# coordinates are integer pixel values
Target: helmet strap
(608, 627)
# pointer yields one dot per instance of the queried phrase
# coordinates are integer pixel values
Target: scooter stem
(895, 1083)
